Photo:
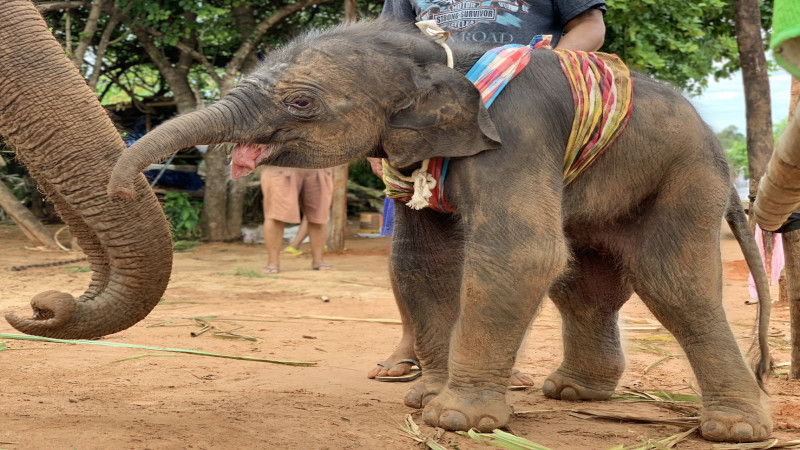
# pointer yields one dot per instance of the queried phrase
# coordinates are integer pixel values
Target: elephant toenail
(453, 420)
(431, 417)
(569, 393)
(713, 430)
(549, 389)
(742, 431)
(486, 424)
(413, 400)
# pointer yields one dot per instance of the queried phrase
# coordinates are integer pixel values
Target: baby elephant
(644, 217)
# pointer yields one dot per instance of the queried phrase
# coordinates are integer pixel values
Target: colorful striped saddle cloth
(602, 92)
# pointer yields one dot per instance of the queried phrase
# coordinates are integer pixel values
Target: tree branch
(105, 41)
(248, 45)
(88, 33)
(199, 57)
(55, 6)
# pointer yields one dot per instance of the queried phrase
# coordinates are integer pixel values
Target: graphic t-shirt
(492, 21)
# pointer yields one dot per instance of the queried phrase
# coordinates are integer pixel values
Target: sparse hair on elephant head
(330, 98)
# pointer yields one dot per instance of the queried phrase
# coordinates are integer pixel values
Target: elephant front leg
(501, 289)
(427, 258)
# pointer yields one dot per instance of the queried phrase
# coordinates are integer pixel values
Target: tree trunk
(25, 220)
(791, 244)
(791, 248)
(756, 89)
(88, 34)
(223, 198)
(214, 206)
(338, 208)
(350, 13)
(340, 173)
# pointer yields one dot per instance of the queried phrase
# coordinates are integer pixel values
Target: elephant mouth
(247, 156)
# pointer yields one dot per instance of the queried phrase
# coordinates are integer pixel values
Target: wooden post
(791, 244)
(791, 249)
(25, 220)
(338, 224)
(338, 208)
(756, 89)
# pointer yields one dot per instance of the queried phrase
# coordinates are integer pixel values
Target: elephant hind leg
(589, 297)
(679, 278)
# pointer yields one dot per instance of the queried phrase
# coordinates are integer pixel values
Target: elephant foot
(562, 387)
(454, 411)
(423, 391)
(737, 422)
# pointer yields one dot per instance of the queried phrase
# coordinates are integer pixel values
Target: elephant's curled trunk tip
(121, 183)
(121, 191)
(52, 310)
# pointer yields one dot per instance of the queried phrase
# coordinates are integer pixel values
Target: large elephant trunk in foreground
(63, 135)
(205, 126)
(779, 190)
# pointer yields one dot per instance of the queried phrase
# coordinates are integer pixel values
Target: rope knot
(423, 184)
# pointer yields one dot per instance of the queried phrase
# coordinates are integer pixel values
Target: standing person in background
(574, 25)
(282, 187)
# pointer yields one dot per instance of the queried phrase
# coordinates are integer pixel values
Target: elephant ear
(443, 116)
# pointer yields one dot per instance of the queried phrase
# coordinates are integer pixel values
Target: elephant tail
(737, 220)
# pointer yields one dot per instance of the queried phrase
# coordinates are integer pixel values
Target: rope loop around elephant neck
(422, 180)
(431, 29)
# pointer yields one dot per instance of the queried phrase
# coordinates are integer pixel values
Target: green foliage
(361, 174)
(247, 273)
(679, 42)
(13, 174)
(735, 145)
(779, 127)
(183, 215)
(185, 246)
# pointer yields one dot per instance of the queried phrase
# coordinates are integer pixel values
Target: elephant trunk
(69, 144)
(779, 189)
(205, 126)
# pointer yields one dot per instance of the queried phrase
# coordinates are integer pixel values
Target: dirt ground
(62, 396)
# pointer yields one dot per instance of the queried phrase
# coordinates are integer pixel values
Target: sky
(722, 103)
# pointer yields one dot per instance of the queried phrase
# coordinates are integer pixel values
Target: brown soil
(84, 396)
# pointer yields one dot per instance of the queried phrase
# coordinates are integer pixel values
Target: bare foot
(520, 379)
(398, 363)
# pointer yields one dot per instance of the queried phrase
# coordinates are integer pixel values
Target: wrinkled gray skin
(645, 218)
(68, 143)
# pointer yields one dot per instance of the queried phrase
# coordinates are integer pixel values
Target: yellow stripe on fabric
(589, 136)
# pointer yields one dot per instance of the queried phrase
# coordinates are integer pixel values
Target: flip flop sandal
(291, 251)
(413, 375)
(324, 267)
(270, 270)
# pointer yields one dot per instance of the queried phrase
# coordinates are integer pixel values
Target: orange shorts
(288, 190)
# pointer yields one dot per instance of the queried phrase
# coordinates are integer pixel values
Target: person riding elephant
(581, 20)
(515, 195)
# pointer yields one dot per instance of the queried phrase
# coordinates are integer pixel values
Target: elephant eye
(301, 103)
